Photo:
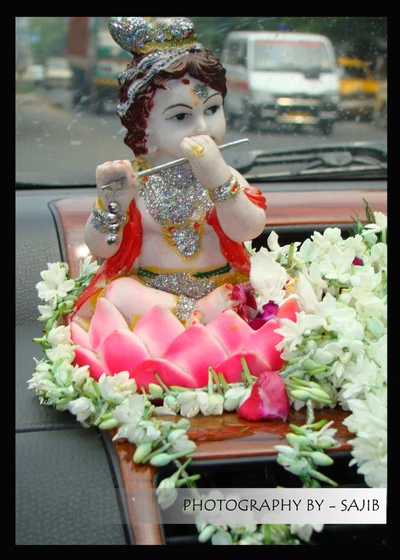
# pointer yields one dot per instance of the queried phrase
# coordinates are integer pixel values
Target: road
(51, 137)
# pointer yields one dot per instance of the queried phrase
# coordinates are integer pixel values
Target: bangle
(226, 191)
(109, 222)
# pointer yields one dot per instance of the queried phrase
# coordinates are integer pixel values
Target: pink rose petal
(268, 399)
(122, 350)
(157, 329)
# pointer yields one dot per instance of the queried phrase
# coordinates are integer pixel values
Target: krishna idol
(171, 225)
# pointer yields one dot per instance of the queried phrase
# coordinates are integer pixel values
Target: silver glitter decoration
(109, 222)
(177, 201)
(153, 63)
(181, 284)
(131, 33)
(187, 241)
(226, 191)
(136, 34)
(184, 308)
(163, 40)
(200, 90)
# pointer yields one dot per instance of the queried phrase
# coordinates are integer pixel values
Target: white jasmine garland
(274, 248)
(357, 243)
(55, 283)
(82, 408)
(337, 347)
(181, 442)
(293, 331)
(114, 388)
(267, 277)
(166, 493)
(379, 225)
(62, 352)
(59, 335)
(234, 397)
(188, 404)
(306, 294)
(46, 312)
(131, 411)
(80, 376)
(379, 255)
(142, 432)
(210, 405)
(337, 264)
(87, 267)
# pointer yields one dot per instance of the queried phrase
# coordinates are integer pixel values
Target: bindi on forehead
(199, 92)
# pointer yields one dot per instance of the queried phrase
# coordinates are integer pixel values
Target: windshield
(284, 55)
(354, 72)
(57, 63)
(67, 70)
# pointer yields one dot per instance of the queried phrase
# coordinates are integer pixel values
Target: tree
(50, 35)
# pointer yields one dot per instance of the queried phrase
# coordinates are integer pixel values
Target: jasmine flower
(268, 278)
(46, 311)
(62, 352)
(87, 267)
(166, 493)
(131, 410)
(337, 264)
(379, 226)
(114, 388)
(59, 335)
(56, 284)
(210, 404)
(188, 404)
(234, 397)
(82, 408)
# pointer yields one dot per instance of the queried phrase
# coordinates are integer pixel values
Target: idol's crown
(139, 35)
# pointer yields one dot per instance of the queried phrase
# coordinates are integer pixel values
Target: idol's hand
(116, 182)
(206, 160)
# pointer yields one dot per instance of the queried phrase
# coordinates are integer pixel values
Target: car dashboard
(76, 485)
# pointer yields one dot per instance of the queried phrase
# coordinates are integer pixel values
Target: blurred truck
(280, 79)
(96, 61)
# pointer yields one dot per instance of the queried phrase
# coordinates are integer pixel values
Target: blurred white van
(280, 78)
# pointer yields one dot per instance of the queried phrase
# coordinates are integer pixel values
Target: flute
(176, 162)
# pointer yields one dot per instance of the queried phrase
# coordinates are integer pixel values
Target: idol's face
(186, 107)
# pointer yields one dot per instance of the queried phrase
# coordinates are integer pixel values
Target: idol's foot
(133, 299)
(213, 304)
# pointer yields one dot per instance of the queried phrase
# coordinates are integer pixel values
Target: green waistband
(222, 270)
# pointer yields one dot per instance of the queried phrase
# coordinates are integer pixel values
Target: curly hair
(200, 63)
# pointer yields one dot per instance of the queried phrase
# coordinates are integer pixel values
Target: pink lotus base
(159, 343)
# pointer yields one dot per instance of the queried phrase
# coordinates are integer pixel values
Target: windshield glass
(67, 70)
(354, 72)
(284, 55)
